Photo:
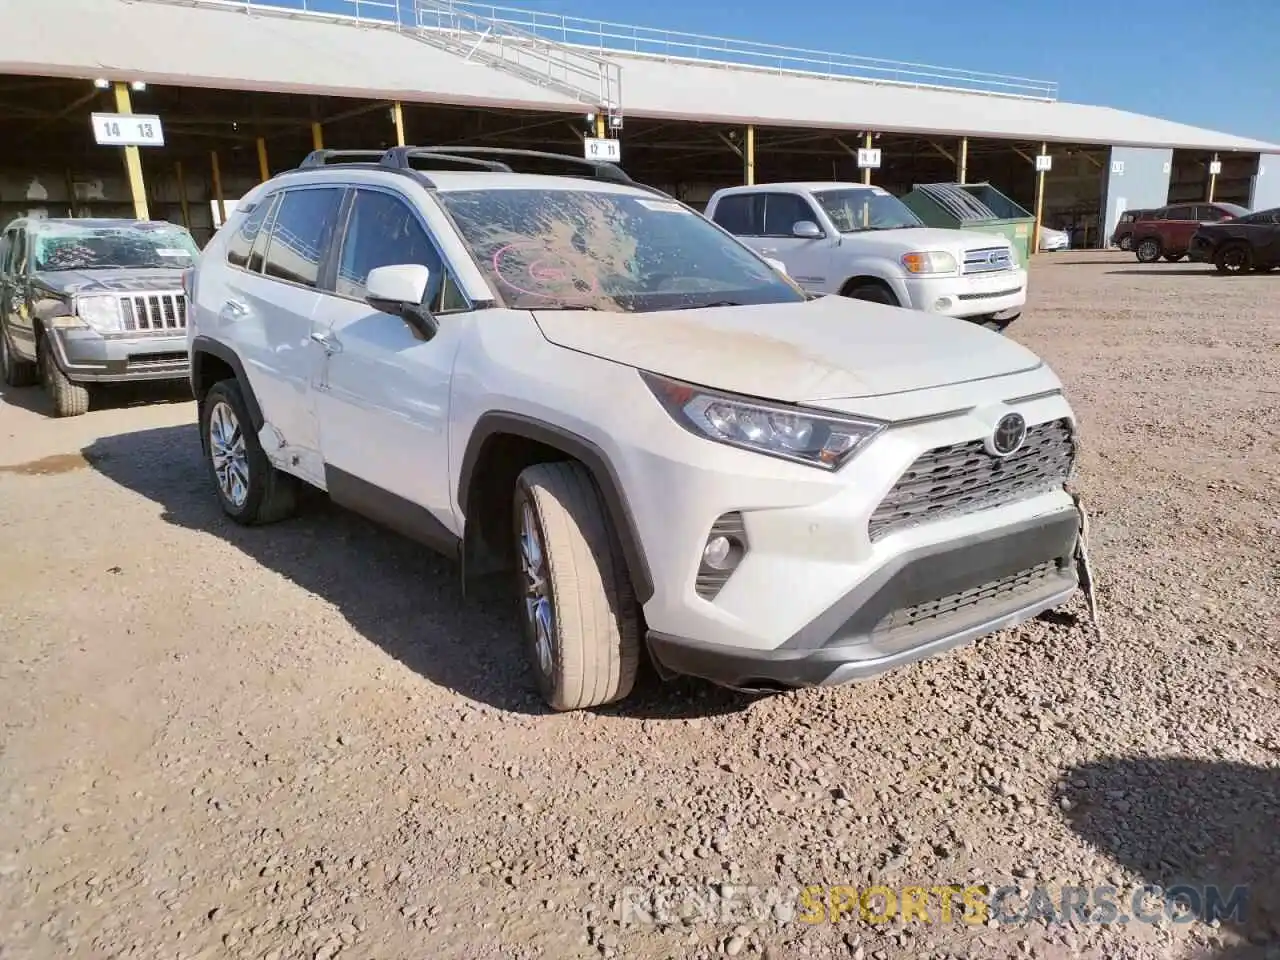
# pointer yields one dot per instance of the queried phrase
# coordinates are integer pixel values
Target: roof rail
(323, 158)
(400, 157)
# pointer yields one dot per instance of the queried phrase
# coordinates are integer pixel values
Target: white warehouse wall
(1136, 177)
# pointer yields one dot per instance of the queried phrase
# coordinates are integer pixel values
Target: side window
(742, 214)
(1181, 213)
(240, 245)
(381, 231)
(300, 234)
(782, 210)
(258, 254)
(1206, 213)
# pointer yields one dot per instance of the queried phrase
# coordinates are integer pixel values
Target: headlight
(778, 430)
(101, 313)
(929, 261)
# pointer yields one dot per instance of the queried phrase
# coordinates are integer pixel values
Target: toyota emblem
(1009, 435)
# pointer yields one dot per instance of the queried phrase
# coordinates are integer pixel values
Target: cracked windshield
(596, 250)
(102, 248)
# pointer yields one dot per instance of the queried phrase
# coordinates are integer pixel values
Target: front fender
(876, 268)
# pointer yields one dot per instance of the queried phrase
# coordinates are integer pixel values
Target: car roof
(451, 181)
(806, 186)
(102, 222)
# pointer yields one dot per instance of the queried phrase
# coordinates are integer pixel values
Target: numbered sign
(594, 148)
(1044, 163)
(128, 130)
(1215, 167)
(1117, 167)
(868, 158)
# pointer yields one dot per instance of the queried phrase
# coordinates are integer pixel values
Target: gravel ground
(302, 741)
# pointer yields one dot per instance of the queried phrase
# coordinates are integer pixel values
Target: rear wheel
(580, 616)
(17, 372)
(874, 292)
(1148, 250)
(250, 489)
(1234, 258)
(69, 399)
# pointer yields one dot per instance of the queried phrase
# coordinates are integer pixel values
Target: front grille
(987, 260)
(993, 594)
(155, 359)
(154, 312)
(962, 478)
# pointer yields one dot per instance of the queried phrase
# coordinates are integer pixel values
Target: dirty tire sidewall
(874, 293)
(69, 399)
(1148, 251)
(272, 494)
(595, 650)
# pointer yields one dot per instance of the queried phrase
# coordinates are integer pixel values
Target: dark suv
(92, 301)
(1167, 231)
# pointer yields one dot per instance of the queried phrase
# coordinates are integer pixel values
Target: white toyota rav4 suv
(580, 380)
(863, 242)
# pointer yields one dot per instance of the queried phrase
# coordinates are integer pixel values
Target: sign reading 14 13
(128, 130)
(594, 148)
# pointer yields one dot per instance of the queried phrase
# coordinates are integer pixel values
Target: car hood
(86, 282)
(824, 349)
(909, 239)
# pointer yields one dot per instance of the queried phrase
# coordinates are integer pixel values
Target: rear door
(1180, 223)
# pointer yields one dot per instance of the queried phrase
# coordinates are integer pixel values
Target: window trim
(331, 275)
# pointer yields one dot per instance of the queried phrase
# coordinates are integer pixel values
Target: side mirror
(399, 290)
(777, 265)
(806, 230)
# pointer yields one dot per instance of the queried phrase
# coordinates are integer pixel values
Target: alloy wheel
(538, 608)
(1233, 260)
(227, 451)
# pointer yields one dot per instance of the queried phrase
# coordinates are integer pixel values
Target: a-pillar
(132, 159)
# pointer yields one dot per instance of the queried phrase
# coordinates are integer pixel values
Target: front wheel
(875, 293)
(70, 399)
(1148, 251)
(17, 372)
(1235, 258)
(580, 616)
(250, 489)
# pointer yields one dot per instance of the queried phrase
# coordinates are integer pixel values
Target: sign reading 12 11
(128, 130)
(594, 148)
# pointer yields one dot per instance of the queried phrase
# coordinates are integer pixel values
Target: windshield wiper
(714, 303)
(570, 306)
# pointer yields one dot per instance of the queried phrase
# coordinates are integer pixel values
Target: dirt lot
(301, 741)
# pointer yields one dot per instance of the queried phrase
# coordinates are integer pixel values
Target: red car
(1167, 232)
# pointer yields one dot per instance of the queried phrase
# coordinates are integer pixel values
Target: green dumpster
(974, 206)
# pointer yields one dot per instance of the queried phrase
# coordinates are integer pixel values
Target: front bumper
(86, 356)
(995, 296)
(920, 604)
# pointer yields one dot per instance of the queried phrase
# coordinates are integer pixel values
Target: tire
(874, 293)
(249, 488)
(1234, 258)
(70, 399)
(1000, 326)
(16, 372)
(1173, 257)
(1148, 250)
(1126, 243)
(578, 610)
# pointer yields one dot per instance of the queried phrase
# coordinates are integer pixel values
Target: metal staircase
(588, 77)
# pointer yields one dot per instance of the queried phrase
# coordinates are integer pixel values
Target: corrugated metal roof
(202, 47)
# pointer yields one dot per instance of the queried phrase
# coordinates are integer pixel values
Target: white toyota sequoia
(863, 242)
(668, 444)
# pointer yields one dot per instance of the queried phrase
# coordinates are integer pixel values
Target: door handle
(234, 309)
(330, 344)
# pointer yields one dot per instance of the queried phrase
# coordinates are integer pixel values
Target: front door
(382, 392)
(808, 259)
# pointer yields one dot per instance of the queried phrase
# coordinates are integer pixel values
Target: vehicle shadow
(1172, 269)
(108, 397)
(395, 593)
(1210, 827)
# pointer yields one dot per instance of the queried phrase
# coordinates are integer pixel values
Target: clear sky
(1211, 63)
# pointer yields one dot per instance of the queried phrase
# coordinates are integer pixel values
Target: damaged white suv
(667, 442)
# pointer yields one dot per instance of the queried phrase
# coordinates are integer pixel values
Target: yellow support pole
(182, 194)
(317, 136)
(601, 133)
(1213, 179)
(397, 117)
(749, 157)
(962, 172)
(264, 168)
(866, 172)
(1040, 174)
(132, 159)
(217, 187)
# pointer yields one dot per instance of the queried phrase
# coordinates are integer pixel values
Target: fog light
(942, 303)
(723, 551)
